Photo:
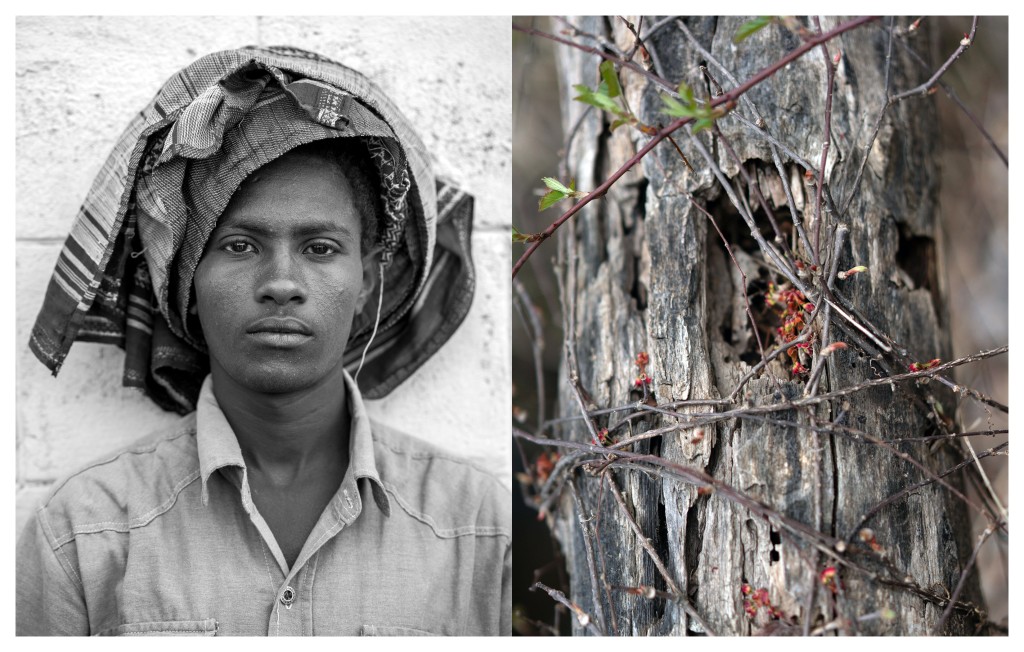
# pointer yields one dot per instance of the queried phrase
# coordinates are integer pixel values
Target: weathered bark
(645, 270)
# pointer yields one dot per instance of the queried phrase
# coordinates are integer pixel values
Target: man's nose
(280, 280)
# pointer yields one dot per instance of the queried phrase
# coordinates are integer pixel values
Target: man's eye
(322, 249)
(239, 247)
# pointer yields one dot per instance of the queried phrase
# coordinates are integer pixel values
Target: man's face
(281, 276)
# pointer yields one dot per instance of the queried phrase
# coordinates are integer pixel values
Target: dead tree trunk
(645, 270)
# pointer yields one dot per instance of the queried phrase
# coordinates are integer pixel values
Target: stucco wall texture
(79, 80)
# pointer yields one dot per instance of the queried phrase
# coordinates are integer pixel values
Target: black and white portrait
(262, 326)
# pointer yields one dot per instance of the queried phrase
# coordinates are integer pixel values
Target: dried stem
(528, 314)
(896, 497)
(925, 87)
(581, 616)
(984, 477)
(830, 80)
(963, 578)
(951, 94)
(789, 405)
(583, 519)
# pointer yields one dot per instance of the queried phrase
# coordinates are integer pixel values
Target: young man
(277, 220)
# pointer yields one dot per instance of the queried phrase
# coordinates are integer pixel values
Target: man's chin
(277, 379)
(275, 384)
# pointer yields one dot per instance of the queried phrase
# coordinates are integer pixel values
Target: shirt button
(288, 596)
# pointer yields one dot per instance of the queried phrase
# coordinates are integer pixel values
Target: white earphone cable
(376, 322)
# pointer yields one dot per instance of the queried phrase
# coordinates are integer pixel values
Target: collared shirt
(164, 538)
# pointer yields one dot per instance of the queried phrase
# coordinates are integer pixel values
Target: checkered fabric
(124, 275)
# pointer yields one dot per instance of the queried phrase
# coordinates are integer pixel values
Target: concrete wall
(79, 81)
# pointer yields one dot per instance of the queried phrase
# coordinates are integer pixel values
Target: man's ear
(371, 277)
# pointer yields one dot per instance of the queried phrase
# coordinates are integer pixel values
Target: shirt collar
(218, 446)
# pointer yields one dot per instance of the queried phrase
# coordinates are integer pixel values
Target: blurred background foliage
(974, 233)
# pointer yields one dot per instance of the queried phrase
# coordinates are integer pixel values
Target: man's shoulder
(451, 494)
(124, 488)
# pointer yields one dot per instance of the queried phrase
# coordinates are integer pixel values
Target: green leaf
(686, 93)
(555, 184)
(525, 238)
(618, 123)
(519, 236)
(748, 28)
(602, 97)
(599, 100)
(675, 108)
(611, 80)
(550, 199)
(702, 123)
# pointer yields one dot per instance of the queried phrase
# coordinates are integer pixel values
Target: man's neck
(285, 437)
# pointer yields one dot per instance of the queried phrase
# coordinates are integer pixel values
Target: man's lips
(283, 325)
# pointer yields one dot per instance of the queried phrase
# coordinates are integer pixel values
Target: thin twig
(637, 41)
(830, 78)
(600, 555)
(798, 222)
(888, 58)
(789, 405)
(984, 477)
(804, 336)
(528, 314)
(634, 406)
(700, 478)
(819, 361)
(581, 616)
(645, 435)
(754, 190)
(951, 94)
(906, 491)
(653, 29)
(598, 609)
(963, 578)
(952, 435)
(864, 436)
(615, 58)
(925, 87)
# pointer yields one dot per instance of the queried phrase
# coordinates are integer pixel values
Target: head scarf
(125, 273)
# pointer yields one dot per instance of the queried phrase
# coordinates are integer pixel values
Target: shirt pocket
(207, 627)
(393, 630)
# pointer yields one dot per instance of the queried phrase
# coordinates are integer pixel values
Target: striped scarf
(124, 275)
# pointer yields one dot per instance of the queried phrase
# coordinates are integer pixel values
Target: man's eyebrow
(264, 228)
(325, 226)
